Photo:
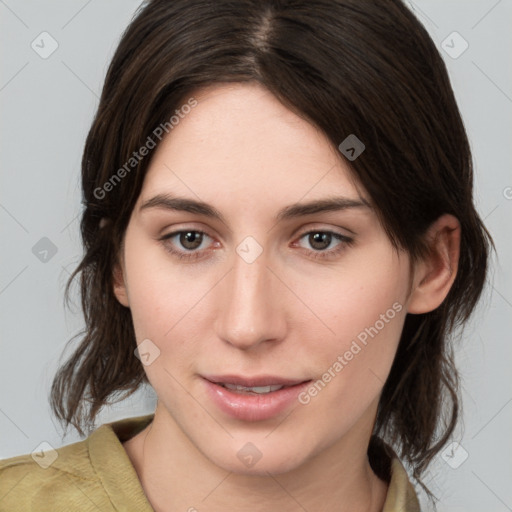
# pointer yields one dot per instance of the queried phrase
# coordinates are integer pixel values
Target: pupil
(320, 240)
(191, 239)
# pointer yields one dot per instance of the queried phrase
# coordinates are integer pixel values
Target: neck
(175, 475)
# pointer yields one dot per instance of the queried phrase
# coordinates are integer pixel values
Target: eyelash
(319, 254)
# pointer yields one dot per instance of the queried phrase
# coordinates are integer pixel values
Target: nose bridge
(250, 313)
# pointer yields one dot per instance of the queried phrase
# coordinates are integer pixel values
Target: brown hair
(347, 66)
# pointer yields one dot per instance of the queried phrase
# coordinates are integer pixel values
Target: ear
(120, 288)
(435, 273)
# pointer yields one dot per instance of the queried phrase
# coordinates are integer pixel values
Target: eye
(190, 240)
(326, 244)
(190, 244)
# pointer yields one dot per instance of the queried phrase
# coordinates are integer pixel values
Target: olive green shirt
(96, 475)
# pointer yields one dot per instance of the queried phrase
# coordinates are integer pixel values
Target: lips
(251, 389)
(257, 381)
(253, 398)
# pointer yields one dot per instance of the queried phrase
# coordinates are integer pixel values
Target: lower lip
(249, 407)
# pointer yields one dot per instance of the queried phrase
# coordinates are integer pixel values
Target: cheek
(169, 304)
(355, 297)
(363, 311)
(160, 293)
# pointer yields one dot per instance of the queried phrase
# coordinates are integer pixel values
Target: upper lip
(249, 382)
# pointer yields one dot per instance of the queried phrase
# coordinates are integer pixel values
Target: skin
(287, 313)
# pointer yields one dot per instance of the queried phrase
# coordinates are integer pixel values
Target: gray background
(47, 105)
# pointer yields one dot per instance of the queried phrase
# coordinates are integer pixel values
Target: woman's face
(255, 290)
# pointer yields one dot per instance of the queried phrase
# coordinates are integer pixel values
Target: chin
(247, 459)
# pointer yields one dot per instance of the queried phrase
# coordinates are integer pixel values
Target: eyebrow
(330, 204)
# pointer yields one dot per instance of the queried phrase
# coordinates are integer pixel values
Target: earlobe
(435, 273)
(120, 290)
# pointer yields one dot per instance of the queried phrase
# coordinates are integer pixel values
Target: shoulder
(52, 480)
(90, 475)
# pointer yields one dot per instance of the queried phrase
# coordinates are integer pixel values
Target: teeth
(255, 389)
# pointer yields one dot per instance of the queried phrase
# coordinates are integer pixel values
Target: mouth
(257, 385)
(253, 398)
(254, 390)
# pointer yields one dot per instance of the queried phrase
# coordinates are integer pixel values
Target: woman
(280, 238)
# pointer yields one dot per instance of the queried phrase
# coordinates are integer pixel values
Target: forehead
(240, 146)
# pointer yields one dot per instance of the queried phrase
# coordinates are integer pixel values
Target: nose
(251, 311)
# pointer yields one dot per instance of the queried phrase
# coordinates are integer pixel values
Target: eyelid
(317, 227)
(297, 233)
(327, 254)
(345, 240)
(187, 256)
(179, 231)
